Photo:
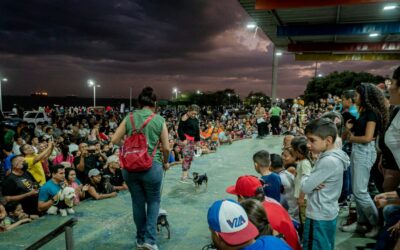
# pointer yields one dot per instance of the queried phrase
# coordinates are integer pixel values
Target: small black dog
(199, 179)
(108, 187)
(162, 221)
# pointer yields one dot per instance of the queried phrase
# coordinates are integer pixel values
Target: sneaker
(373, 232)
(147, 246)
(139, 246)
(355, 227)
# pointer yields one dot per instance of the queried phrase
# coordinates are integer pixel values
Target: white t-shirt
(392, 138)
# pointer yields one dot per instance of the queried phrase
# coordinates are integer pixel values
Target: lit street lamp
(1, 96)
(93, 84)
(229, 96)
(252, 26)
(175, 90)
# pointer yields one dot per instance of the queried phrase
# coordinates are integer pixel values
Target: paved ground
(108, 224)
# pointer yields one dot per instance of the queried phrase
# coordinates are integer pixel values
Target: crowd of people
(329, 151)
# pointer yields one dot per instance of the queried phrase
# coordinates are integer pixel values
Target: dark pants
(262, 129)
(145, 194)
(275, 124)
(385, 240)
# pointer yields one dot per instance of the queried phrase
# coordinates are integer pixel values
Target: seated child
(16, 217)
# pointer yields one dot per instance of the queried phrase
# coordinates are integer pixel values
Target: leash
(162, 184)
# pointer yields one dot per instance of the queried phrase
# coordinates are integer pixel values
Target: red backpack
(133, 155)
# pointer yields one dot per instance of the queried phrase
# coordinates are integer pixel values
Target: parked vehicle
(36, 117)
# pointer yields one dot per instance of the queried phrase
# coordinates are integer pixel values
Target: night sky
(56, 46)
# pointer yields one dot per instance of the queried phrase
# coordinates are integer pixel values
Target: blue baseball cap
(229, 220)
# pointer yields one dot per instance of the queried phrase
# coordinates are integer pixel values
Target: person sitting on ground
(250, 187)
(34, 161)
(16, 218)
(287, 183)
(7, 151)
(231, 229)
(206, 133)
(114, 171)
(272, 181)
(323, 185)
(96, 190)
(49, 192)
(215, 138)
(225, 137)
(72, 181)
(20, 186)
(85, 160)
(390, 202)
(64, 156)
(177, 155)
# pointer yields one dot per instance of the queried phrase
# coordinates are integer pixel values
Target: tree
(254, 98)
(335, 83)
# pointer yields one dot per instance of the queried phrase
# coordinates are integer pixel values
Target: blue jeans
(363, 157)
(145, 194)
(319, 234)
(385, 239)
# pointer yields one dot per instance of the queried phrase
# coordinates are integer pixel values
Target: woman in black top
(362, 133)
(189, 134)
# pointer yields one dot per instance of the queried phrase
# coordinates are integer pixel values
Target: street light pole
(130, 99)
(1, 95)
(93, 84)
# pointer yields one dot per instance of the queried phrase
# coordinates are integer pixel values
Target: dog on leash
(162, 221)
(65, 202)
(199, 179)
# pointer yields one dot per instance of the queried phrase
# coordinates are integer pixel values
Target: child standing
(272, 181)
(323, 185)
(304, 167)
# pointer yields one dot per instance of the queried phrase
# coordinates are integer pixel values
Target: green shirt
(152, 130)
(275, 111)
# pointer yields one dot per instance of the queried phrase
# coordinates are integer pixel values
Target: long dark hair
(372, 99)
(299, 144)
(147, 97)
(257, 215)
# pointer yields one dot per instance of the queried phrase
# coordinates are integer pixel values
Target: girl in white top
(304, 167)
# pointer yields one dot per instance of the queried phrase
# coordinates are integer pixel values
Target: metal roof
(326, 26)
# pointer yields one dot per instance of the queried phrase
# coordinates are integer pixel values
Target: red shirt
(281, 222)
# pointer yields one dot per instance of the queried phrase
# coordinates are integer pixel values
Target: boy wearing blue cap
(231, 229)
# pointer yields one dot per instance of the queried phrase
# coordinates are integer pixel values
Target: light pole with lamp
(175, 90)
(229, 98)
(93, 84)
(1, 95)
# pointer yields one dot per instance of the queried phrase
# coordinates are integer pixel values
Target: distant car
(36, 117)
(12, 122)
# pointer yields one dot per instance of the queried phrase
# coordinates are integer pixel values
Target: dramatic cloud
(55, 46)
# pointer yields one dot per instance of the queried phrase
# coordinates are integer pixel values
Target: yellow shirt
(36, 170)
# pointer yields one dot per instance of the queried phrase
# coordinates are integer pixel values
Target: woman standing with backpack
(144, 185)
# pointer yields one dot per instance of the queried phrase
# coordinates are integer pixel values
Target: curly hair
(372, 98)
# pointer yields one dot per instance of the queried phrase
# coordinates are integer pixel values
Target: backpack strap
(132, 122)
(147, 121)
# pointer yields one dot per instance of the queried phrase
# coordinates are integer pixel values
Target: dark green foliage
(335, 83)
